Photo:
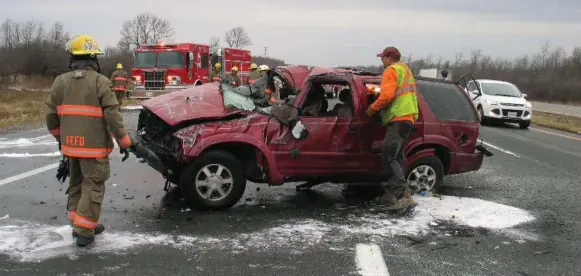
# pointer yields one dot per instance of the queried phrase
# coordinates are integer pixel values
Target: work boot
(98, 230)
(395, 200)
(83, 241)
(404, 202)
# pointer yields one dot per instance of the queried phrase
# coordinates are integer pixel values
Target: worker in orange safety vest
(398, 104)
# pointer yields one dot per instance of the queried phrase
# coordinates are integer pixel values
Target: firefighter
(262, 69)
(120, 81)
(216, 73)
(399, 110)
(234, 78)
(254, 74)
(82, 114)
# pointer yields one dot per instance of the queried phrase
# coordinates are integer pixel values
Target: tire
(524, 124)
(193, 176)
(422, 170)
(481, 116)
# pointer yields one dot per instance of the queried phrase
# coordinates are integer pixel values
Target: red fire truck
(163, 68)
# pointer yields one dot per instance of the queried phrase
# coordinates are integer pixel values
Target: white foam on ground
(463, 211)
(35, 242)
(44, 140)
(27, 242)
(131, 107)
(22, 155)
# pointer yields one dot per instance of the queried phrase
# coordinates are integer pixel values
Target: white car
(500, 101)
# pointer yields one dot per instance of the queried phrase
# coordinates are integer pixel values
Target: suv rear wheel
(426, 174)
(215, 181)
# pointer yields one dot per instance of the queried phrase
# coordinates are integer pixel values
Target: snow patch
(20, 155)
(5, 217)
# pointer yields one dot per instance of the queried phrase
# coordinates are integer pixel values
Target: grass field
(557, 121)
(20, 108)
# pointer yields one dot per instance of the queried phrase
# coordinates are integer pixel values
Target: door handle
(354, 129)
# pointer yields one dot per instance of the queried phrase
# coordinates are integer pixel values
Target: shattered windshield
(233, 98)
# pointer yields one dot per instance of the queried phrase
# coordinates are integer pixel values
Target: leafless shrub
(237, 37)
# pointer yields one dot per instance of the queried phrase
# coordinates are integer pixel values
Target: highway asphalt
(518, 215)
(572, 110)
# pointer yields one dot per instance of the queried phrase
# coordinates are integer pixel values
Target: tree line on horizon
(30, 49)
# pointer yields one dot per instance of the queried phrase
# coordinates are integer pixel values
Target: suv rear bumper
(466, 162)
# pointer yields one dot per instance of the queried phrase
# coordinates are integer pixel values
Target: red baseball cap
(390, 52)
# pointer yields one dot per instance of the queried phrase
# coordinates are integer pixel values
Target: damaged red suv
(210, 142)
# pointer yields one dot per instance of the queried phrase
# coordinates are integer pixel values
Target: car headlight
(491, 102)
(528, 105)
(173, 80)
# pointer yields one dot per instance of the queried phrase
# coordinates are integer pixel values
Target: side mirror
(191, 59)
(524, 95)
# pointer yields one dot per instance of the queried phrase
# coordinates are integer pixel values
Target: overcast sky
(333, 32)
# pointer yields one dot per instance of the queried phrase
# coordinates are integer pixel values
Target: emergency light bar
(159, 46)
(372, 88)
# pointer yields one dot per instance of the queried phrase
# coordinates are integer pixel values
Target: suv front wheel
(426, 174)
(215, 181)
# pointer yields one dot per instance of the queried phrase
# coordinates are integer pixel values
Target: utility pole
(265, 50)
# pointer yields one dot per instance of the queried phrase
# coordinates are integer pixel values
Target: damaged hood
(200, 102)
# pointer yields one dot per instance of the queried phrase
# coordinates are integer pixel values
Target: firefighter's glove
(370, 112)
(63, 170)
(125, 153)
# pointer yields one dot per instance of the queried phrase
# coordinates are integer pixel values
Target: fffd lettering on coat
(75, 141)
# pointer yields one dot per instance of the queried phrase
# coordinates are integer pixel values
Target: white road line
(27, 174)
(370, 261)
(499, 148)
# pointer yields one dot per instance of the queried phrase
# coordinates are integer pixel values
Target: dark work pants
(393, 155)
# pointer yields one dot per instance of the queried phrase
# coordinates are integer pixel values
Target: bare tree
(214, 44)
(237, 37)
(144, 28)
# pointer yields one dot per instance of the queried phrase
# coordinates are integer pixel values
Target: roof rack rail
(358, 71)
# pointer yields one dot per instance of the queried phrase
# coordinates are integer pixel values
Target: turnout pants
(120, 95)
(393, 155)
(85, 192)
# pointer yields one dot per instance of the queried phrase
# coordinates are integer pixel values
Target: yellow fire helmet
(119, 66)
(83, 45)
(253, 66)
(218, 65)
(235, 69)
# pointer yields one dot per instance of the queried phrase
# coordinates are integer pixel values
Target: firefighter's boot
(83, 241)
(98, 230)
